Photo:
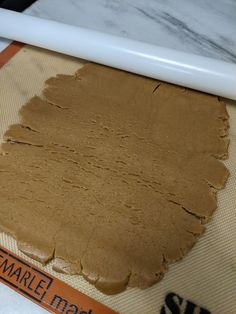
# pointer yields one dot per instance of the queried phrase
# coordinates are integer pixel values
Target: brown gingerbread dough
(113, 175)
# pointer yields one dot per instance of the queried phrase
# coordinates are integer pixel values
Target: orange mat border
(44, 289)
(10, 52)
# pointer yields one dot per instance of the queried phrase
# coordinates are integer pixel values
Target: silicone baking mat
(205, 281)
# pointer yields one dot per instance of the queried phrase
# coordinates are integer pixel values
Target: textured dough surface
(113, 175)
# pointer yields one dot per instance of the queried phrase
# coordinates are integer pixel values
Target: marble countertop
(202, 27)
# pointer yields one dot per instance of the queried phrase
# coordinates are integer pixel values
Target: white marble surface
(203, 27)
(14, 303)
(4, 43)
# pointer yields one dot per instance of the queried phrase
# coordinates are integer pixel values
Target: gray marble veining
(202, 27)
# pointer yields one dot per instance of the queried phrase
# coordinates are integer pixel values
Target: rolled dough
(112, 175)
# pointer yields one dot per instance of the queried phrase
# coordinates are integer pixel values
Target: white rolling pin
(193, 71)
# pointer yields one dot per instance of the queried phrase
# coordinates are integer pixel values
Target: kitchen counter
(202, 27)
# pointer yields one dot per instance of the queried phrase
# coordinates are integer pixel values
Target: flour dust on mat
(113, 175)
